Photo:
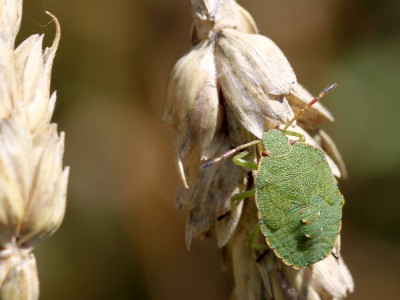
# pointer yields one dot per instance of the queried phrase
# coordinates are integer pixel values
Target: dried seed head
(230, 87)
(31, 149)
(247, 67)
(32, 180)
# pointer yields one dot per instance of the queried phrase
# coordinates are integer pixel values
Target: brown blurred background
(122, 237)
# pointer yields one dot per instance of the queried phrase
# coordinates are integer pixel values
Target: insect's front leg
(238, 160)
(301, 137)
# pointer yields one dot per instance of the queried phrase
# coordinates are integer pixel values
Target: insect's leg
(238, 160)
(342, 200)
(229, 153)
(294, 133)
(261, 256)
(252, 237)
(242, 196)
(252, 244)
(236, 198)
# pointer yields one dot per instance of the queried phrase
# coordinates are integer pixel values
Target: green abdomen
(299, 206)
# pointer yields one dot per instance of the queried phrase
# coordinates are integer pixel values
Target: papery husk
(211, 197)
(327, 279)
(18, 275)
(254, 76)
(192, 97)
(10, 21)
(45, 210)
(34, 69)
(248, 281)
(192, 105)
(15, 177)
(213, 15)
(258, 58)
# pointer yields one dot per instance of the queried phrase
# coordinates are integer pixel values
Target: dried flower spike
(233, 85)
(33, 182)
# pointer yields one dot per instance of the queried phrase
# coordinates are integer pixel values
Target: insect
(299, 203)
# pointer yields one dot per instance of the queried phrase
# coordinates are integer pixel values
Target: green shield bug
(298, 200)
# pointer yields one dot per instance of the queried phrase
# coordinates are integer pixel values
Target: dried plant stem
(32, 180)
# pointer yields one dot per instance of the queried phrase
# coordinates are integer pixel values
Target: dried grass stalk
(32, 180)
(230, 87)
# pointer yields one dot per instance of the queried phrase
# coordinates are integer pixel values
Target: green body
(299, 203)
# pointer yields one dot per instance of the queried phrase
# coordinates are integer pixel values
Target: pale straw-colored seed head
(18, 275)
(33, 181)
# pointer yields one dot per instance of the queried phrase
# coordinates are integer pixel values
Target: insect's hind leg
(251, 241)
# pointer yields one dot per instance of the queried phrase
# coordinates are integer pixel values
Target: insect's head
(275, 143)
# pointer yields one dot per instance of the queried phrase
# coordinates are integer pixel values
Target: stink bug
(298, 200)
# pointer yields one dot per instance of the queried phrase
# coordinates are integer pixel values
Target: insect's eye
(265, 153)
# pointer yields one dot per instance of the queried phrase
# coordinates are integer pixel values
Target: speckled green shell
(298, 200)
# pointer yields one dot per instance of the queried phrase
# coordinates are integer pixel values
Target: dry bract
(18, 274)
(33, 182)
(214, 14)
(195, 118)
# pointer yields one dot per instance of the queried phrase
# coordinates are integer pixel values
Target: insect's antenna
(229, 153)
(309, 104)
(218, 159)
